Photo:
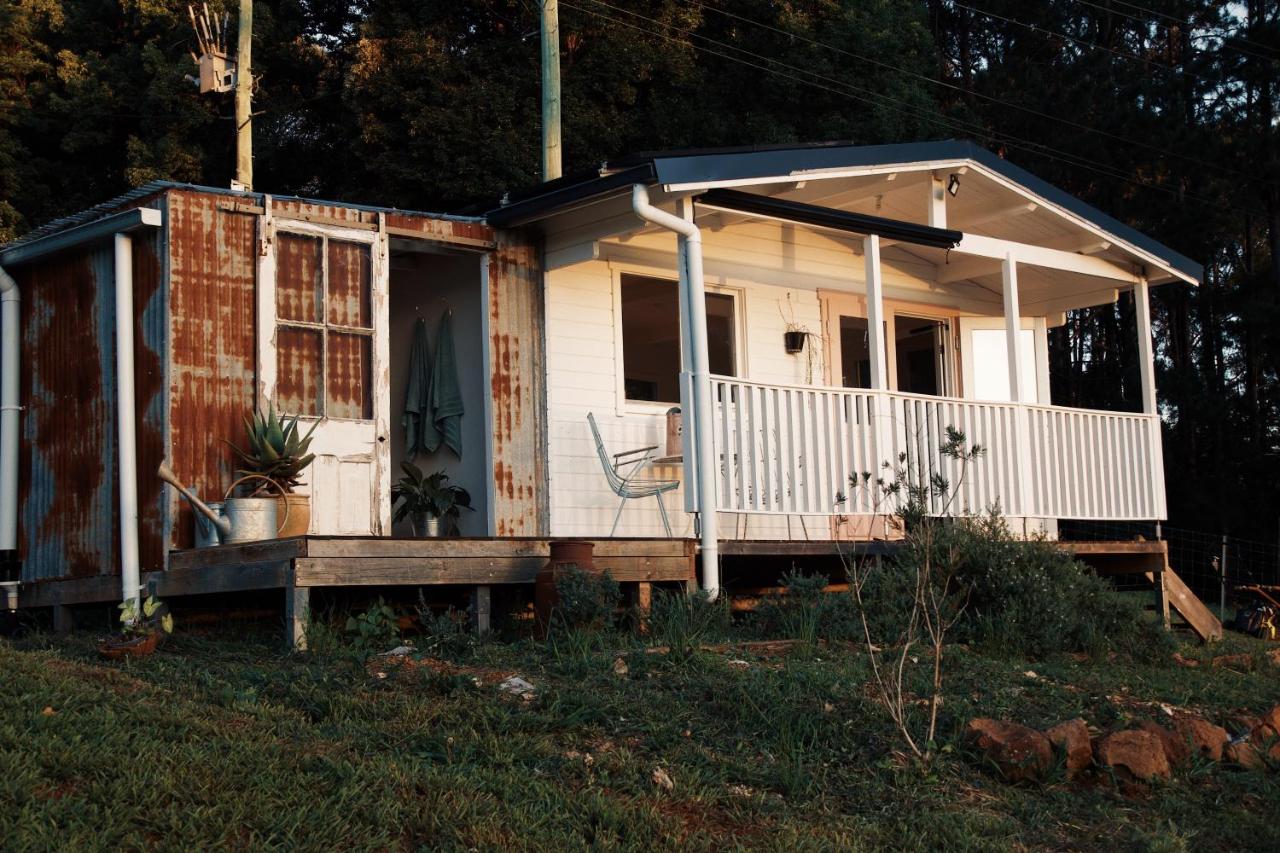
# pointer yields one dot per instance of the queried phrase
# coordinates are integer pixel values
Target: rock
(517, 686)
(1274, 657)
(1190, 663)
(1271, 720)
(1244, 754)
(1175, 748)
(1072, 740)
(1020, 753)
(1135, 755)
(1241, 661)
(1204, 738)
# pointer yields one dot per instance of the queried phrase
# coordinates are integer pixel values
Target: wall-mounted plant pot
(794, 341)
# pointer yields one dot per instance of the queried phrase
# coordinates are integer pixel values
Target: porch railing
(791, 450)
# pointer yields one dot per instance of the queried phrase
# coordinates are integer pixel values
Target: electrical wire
(989, 98)
(1146, 14)
(879, 99)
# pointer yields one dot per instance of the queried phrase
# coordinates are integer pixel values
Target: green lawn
(221, 741)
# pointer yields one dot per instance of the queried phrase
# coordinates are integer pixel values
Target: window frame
(324, 327)
(626, 406)
(838, 303)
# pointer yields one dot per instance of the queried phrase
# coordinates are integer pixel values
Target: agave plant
(277, 449)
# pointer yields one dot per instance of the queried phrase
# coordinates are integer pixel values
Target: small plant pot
(564, 553)
(297, 522)
(425, 526)
(794, 341)
(117, 647)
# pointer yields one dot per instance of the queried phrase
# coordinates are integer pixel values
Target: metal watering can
(231, 520)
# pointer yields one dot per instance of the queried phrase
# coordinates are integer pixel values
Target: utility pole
(551, 152)
(244, 98)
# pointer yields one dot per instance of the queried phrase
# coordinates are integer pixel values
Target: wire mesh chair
(630, 487)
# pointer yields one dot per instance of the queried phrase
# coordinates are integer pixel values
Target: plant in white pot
(425, 500)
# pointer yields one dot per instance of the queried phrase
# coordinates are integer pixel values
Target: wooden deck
(301, 564)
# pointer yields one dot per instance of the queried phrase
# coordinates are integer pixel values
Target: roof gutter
(736, 201)
(117, 227)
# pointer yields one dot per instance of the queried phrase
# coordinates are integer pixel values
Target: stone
(1204, 738)
(1134, 754)
(1241, 661)
(1274, 657)
(1072, 740)
(1019, 752)
(1271, 720)
(1175, 748)
(1244, 754)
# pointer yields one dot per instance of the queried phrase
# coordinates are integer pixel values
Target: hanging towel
(420, 435)
(446, 395)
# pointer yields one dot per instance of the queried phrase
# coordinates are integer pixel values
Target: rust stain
(213, 258)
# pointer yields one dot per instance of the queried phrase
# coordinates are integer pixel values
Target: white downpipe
(127, 444)
(693, 297)
(10, 349)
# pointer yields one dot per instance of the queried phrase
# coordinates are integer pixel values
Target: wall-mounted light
(953, 185)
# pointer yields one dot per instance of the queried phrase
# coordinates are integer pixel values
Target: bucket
(252, 519)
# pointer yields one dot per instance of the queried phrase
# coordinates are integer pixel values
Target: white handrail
(791, 449)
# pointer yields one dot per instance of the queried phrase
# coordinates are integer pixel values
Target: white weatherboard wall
(774, 271)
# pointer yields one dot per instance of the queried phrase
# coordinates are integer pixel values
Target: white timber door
(984, 356)
(323, 354)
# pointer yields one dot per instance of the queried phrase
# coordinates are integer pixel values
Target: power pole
(244, 98)
(551, 165)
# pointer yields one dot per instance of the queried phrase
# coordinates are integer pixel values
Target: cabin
(682, 357)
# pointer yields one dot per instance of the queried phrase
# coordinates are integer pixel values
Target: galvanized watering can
(233, 519)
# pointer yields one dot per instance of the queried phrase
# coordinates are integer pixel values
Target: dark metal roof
(782, 161)
(826, 217)
(151, 188)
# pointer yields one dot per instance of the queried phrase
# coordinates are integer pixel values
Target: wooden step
(1189, 606)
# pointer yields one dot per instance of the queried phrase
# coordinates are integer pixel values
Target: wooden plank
(226, 578)
(51, 593)
(480, 608)
(1201, 619)
(392, 571)
(791, 548)
(460, 548)
(247, 552)
(1104, 548)
(454, 241)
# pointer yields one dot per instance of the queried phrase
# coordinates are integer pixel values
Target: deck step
(1189, 606)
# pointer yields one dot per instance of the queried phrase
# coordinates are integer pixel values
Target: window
(324, 327)
(920, 347)
(651, 338)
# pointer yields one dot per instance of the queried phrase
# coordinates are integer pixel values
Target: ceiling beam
(979, 246)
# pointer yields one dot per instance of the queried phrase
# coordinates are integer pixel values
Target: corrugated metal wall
(517, 353)
(212, 270)
(69, 519)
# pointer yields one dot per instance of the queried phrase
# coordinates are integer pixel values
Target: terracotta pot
(299, 520)
(565, 553)
(115, 648)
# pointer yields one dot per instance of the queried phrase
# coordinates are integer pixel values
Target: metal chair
(630, 486)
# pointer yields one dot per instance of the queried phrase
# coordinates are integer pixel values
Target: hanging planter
(793, 340)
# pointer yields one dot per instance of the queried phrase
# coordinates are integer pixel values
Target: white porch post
(875, 312)
(1147, 377)
(1017, 394)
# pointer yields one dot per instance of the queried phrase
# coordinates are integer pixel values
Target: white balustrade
(791, 450)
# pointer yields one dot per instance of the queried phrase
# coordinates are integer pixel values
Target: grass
(222, 741)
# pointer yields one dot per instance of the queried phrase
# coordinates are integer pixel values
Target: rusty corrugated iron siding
(212, 358)
(69, 492)
(516, 352)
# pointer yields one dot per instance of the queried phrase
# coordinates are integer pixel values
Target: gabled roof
(705, 169)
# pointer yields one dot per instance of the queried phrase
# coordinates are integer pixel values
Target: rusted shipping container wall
(69, 523)
(516, 352)
(212, 270)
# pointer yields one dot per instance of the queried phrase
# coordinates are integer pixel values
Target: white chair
(630, 486)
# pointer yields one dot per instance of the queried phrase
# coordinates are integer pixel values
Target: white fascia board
(816, 175)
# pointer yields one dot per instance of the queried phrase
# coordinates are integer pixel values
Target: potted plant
(277, 449)
(427, 499)
(793, 338)
(141, 629)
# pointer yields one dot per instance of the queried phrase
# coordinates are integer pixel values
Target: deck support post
(63, 620)
(642, 602)
(297, 614)
(481, 608)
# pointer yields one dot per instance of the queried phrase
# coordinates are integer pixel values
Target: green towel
(420, 435)
(446, 395)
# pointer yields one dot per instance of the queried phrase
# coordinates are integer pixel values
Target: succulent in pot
(278, 449)
(428, 501)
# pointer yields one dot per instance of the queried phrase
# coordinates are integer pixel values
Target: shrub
(587, 599)
(1023, 596)
(374, 630)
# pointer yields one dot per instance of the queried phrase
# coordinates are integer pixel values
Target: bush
(587, 599)
(1023, 596)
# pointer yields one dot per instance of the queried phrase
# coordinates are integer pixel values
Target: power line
(1174, 19)
(981, 95)
(878, 99)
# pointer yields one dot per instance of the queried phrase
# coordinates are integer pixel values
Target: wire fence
(1213, 565)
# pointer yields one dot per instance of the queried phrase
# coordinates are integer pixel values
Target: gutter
(118, 227)
(695, 379)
